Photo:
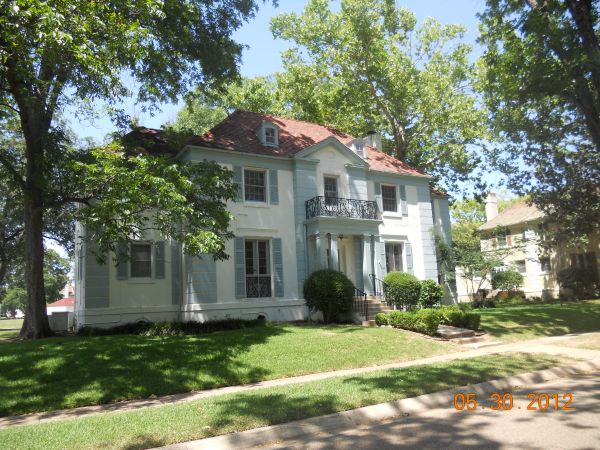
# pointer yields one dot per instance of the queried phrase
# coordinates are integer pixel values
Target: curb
(377, 413)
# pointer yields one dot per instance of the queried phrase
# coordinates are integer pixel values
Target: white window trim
(142, 280)
(255, 203)
(398, 212)
(402, 254)
(269, 262)
(262, 134)
(337, 183)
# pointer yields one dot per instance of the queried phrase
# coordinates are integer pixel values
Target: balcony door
(330, 185)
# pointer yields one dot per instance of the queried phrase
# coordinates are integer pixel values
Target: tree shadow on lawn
(541, 320)
(69, 372)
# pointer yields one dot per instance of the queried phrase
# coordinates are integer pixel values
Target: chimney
(491, 206)
(373, 139)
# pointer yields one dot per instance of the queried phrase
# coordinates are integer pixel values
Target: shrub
(485, 303)
(431, 294)
(579, 281)
(454, 316)
(508, 280)
(422, 321)
(381, 319)
(330, 292)
(172, 328)
(401, 289)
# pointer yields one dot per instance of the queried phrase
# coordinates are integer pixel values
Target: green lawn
(181, 422)
(11, 324)
(68, 372)
(515, 323)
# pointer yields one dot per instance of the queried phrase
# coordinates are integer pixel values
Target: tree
(206, 105)
(56, 276)
(369, 67)
(54, 52)
(541, 82)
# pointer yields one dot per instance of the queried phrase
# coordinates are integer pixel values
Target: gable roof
(237, 133)
(519, 212)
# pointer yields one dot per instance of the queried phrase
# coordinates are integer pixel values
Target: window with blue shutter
(409, 257)
(403, 204)
(240, 268)
(273, 187)
(122, 264)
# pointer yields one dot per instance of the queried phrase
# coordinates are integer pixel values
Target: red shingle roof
(67, 301)
(238, 133)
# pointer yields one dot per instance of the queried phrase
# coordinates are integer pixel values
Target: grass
(515, 323)
(75, 371)
(199, 419)
(11, 324)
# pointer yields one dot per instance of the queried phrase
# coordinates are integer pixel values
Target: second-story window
(254, 186)
(388, 197)
(331, 189)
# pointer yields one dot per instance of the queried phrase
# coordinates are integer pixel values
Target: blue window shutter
(240, 267)
(377, 188)
(238, 180)
(273, 187)
(159, 259)
(380, 251)
(122, 265)
(409, 257)
(278, 266)
(403, 205)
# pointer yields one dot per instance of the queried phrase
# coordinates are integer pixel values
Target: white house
(309, 197)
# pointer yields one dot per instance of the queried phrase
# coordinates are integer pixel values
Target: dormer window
(268, 134)
(358, 146)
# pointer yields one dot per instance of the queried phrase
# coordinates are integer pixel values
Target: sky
(262, 55)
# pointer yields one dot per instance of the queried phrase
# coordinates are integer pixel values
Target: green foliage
(431, 294)
(130, 195)
(381, 319)
(579, 281)
(172, 328)
(14, 299)
(401, 289)
(330, 292)
(206, 105)
(456, 317)
(541, 82)
(507, 280)
(424, 321)
(372, 68)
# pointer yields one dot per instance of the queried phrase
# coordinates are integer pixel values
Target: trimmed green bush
(431, 294)
(424, 321)
(454, 316)
(402, 289)
(330, 292)
(508, 280)
(172, 328)
(381, 319)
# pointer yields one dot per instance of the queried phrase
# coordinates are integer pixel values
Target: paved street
(447, 428)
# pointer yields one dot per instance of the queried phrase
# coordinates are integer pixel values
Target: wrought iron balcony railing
(340, 207)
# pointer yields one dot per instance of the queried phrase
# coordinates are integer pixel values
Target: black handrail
(340, 207)
(360, 304)
(378, 287)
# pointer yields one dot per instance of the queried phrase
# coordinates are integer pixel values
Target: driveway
(448, 428)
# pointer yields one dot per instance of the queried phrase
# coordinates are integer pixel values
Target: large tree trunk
(36, 320)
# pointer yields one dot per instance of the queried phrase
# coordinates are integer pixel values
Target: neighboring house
(518, 233)
(66, 304)
(309, 197)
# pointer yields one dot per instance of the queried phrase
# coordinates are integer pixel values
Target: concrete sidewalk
(541, 345)
(326, 431)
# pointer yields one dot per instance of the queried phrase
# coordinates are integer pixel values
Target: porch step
(448, 332)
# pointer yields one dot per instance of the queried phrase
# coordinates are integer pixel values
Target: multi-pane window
(545, 264)
(393, 257)
(520, 266)
(388, 197)
(255, 186)
(501, 237)
(141, 260)
(270, 135)
(331, 189)
(258, 271)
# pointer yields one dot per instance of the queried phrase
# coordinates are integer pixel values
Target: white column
(334, 253)
(367, 263)
(321, 253)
